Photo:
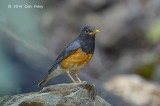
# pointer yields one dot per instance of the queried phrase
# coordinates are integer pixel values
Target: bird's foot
(80, 82)
(75, 81)
(83, 82)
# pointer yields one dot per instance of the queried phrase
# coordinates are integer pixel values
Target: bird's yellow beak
(94, 32)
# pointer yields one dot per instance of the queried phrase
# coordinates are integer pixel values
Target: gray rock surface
(73, 94)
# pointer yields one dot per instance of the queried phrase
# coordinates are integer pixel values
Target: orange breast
(76, 60)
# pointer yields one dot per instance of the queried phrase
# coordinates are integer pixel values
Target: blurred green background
(31, 39)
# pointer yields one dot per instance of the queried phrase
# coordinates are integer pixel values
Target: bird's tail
(51, 75)
(43, 82)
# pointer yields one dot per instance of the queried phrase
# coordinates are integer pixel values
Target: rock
(73, 94)
(135, 90)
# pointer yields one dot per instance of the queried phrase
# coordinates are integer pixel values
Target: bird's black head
(89, 31)
(88, 34)
(87, 39)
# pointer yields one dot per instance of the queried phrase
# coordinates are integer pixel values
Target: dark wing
(70, 49)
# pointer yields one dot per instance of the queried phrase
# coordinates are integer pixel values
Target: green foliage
(154, 32)
(146, 71)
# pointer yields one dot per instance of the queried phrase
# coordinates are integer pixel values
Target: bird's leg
(67, 71)
(76, 75)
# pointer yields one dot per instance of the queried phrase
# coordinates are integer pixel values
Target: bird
(74, 57)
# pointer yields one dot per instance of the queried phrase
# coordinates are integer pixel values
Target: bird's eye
(86, 31)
